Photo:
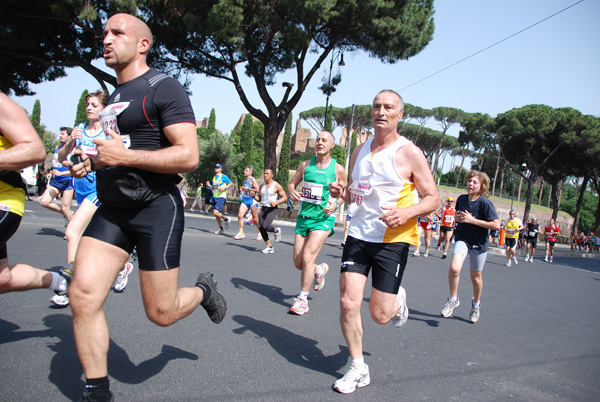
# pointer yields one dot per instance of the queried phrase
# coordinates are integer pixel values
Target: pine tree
(36, 116)
(212, 122)
(81, 114)
(283, 170)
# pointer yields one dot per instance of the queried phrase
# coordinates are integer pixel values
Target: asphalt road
(538, 338)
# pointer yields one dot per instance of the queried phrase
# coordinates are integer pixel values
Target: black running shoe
(88, 396)
(215, 306)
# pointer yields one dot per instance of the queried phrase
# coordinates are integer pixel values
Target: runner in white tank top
(387, 171)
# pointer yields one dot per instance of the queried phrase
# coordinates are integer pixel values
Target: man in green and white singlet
(316, 217)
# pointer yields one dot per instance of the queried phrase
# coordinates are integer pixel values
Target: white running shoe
(226, 223)
(220, 232)
(426, 254)
(278, 235)
(449, 307)
(268, 250)
(320, 273)
(60, 300)
(527, 258)
(123, 276)
(515, 260)
(239, 236)
(551, 260)
(474, 315)
(300, 306)
(355, 377)
(416, 253)
(531, 260)
(259, 238)
(509, 264)
(402, 315)
(546, 259)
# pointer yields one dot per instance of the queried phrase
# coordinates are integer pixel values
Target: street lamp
(329, 87)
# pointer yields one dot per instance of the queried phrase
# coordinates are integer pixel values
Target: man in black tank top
(150, 128)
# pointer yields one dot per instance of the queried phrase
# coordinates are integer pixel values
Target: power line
(490, 46)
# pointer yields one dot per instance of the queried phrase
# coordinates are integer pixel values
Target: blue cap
(218, 165)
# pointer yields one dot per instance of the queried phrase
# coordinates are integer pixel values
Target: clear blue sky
(555, 63)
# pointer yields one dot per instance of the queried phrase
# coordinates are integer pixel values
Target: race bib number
(359, 190)
(311, 193)
(448, 219)
(246, 193)
(108, 117)
(511, 232)
(532, 234)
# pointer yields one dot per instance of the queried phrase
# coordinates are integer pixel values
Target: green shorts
(305, 225)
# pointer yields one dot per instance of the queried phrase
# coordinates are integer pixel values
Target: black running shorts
(9, 223)
(388, 261)
(155, 230)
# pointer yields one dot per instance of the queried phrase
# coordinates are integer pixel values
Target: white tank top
(268, 194)
(376, 183)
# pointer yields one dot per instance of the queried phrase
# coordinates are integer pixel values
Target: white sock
(58, 283)
(360, 362)
(453, 298)
(303, 295)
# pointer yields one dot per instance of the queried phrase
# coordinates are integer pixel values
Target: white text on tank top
(268, 194)
(382, 185)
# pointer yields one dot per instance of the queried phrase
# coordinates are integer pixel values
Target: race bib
(311, 193)
(511, 232)
(246, 193)
(532, 234)
(108, 117)
(359, 190)
(448, 219)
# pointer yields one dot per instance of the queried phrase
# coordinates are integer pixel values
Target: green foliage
(294, 163)
(246, 147)
(339, 153)
(81, 115)
(283, 172)
(216, 149)
(258, 149)
(588, 207)
(50, 141)
(35, 118)
(212, 121)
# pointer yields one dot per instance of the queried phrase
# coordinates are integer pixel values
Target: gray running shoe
(474, 315)
(226, 223)
(401, 316)
(215, 306)
(320, 273)
(449, 307)
(278, 235)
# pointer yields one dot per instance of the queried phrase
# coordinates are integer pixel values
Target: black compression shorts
(388, 261)
(155, 230)
(9, 223)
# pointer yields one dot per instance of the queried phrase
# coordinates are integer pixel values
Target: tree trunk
(541, 192)
(561, 187)
(520, 186)
(496, 176)
(554, 197)
(528, 197)
(502, 181)
(460, 170)
(584, 184)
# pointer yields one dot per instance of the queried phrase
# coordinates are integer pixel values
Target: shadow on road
(294, 348)
(273, 293)
(65, 369)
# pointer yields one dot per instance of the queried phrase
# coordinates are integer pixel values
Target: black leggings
(265, 221)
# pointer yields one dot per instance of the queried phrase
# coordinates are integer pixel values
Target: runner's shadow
(65, 369)
(241, 245)
(273, 293)
(431, 323)
(304, 352)
(50, 232)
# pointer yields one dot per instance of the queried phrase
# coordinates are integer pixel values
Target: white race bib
(311, 193)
